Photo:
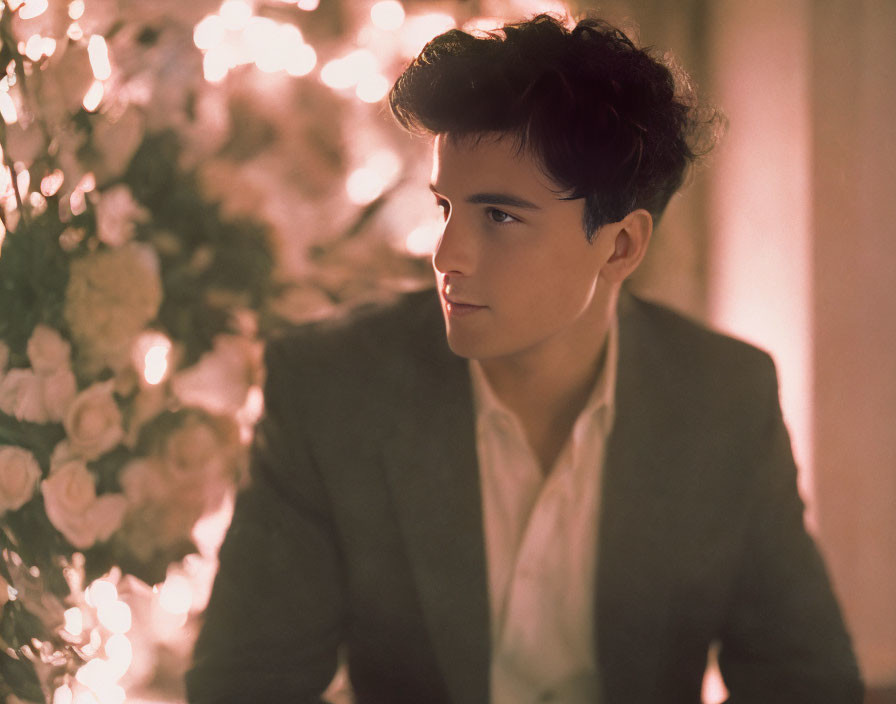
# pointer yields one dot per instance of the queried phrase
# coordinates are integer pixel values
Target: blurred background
(786, 238)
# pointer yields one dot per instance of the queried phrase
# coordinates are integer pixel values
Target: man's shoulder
(691, 349)
(362, 340)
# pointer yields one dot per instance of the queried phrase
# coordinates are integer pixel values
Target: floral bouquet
(129, 360)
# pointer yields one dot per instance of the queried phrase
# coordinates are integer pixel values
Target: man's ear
(627, 242)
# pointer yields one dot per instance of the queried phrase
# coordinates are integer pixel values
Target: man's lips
(456, 306)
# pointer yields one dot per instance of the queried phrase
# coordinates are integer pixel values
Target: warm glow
(373, 88)
(76, 9)
(116, 616)
(250, 412)
(419, 30)
(215, 65)
(235, 14)
(349, 70)
(33, 8)
(387, 15)
(120, 653)
(93, 97)
(87, 182)
(63, 695)
(74, 621)
(77, 202)
(176, 596)
(23, 180)
(150, 355)
(364, 185)
(98, 53)
(308, 5)
(100, 593)
(301, 60)
(209, 32)
(85, 698)
(37, 47)
(156, 364)
(8, 108)
(423, 239)
(74, 32)
(483, 24)
(52, 182)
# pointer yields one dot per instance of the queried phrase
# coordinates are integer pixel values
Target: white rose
(93, 421)
(21, 396)
(221, 379)
(47, 350)
(75, 510)
(116, 214)
(112, 294)
(58, 391)
(19, 474)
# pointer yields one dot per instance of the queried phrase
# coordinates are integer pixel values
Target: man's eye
(499, 216)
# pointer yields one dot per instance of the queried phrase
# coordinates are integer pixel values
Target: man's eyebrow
(497, 199)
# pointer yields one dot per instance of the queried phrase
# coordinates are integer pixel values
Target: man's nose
(454, 253)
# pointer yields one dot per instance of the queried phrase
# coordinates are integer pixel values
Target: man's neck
(547, 387)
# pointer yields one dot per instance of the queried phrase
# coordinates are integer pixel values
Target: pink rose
(219, 382)
(75, 510)
(21, 396)
(58, 390)
(19, 474)
(196, 460)
(93, 421)
(47, 350)
(116, 214)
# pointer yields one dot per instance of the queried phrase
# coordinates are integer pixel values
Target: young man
(581, 492)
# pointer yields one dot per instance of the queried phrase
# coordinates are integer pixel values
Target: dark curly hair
(608, 122)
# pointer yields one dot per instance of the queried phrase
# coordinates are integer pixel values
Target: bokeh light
(388, 14)
(98, 53)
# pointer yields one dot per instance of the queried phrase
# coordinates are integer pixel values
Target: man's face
(514, 269)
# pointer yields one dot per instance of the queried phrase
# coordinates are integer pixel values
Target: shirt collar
(490, 409)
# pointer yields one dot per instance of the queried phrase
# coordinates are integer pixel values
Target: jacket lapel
(636, 503)
(432, 470)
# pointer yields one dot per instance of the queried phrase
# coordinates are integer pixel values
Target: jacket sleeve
(276, 614)
(784, 640)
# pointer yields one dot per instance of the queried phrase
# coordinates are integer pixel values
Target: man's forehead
(488, 159)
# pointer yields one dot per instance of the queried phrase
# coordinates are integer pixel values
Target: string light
(74, 621)
(372, 88)
(420, 29)
(209, 32)
(8, 108)
(76, 9)
(308, 5)
(235, 14)
(98, 53)
(94, 96)
(422, 240)
(32, 9)
(388, 15)
(52, 182)
(150, 356)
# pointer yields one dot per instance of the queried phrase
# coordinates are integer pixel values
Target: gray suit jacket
(362, 527)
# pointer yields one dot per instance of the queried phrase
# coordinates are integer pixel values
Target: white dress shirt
(541, 546)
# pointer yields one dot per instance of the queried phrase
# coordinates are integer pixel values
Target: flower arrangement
(129, 360)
